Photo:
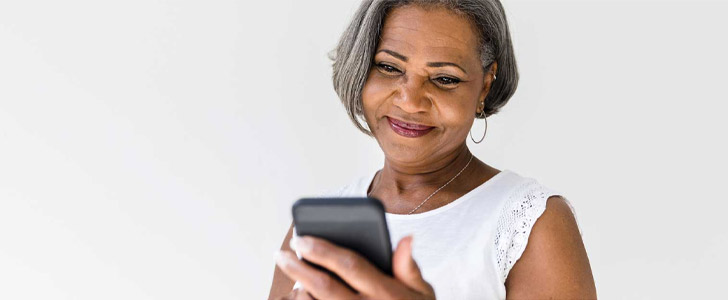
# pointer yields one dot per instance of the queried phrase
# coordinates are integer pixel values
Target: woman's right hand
(354, 269)
(297, 294)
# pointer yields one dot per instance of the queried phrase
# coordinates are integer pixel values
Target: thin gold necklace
(435, 192)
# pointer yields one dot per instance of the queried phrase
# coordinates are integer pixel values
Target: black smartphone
(354, 223)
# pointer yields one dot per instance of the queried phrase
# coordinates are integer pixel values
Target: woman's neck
(403, 179)
(403, 188)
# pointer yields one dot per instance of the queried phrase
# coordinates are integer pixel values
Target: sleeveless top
(466, 248)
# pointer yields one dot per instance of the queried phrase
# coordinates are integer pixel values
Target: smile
(407, 129)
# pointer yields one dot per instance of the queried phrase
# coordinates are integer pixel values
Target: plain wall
(152, 149)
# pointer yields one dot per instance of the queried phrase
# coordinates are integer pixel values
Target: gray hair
(355, 51)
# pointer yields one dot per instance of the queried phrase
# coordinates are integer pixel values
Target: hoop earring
(482, 114)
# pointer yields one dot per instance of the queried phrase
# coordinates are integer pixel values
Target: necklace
(435, 192)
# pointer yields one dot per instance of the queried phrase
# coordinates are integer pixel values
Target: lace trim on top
(523, 207)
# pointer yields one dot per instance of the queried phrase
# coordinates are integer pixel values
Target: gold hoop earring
(482, 114)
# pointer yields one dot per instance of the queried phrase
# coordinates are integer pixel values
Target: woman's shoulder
(545, 220)
(522, 195)
(523, 204)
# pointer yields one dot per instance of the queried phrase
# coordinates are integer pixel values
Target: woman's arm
(554, 264)
(282, 285)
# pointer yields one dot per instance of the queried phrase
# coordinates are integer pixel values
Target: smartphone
(354, 223)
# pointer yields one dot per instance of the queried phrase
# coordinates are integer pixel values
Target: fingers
(301, 294)
(297, 294)
(354, 269)
(319, 284)
(405, 268)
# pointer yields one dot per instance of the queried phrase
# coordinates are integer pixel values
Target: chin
(404, 152)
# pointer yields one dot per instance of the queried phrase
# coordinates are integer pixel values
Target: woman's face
(426, 71)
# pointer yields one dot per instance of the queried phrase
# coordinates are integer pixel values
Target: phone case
(355, 223)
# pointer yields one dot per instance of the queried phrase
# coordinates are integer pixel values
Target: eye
(387, 68)
(444, 80)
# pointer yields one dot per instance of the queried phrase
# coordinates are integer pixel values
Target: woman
(419, 73)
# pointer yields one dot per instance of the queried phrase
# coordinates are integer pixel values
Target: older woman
(420, 73)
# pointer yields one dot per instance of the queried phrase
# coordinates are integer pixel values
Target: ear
(488, 79)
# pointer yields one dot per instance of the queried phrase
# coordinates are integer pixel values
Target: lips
(408, 129)
(408, 125)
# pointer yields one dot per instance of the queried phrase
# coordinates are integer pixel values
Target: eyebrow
(429, 64)
(395, 54)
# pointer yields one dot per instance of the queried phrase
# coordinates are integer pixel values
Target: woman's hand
(355, 270)
(297, 294)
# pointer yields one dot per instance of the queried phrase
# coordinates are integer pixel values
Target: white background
(152, 149)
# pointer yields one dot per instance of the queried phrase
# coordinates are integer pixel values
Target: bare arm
(554, 264)
(282, 285)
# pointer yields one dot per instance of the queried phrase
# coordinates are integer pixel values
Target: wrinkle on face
(415, 23)
(423, 36)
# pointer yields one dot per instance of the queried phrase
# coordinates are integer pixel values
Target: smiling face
(426, 71)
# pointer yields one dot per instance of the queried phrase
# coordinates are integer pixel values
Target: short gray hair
(355, 51)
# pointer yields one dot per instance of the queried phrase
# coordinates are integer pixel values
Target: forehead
(433, 30)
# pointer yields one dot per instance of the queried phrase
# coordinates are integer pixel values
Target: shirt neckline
(368, 181)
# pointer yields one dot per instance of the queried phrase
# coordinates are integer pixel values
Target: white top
(466, 248)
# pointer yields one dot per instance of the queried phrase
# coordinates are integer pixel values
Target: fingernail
(301, 244)
(292, 243)
(281, 260)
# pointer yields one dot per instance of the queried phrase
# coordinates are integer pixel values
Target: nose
(411, 96)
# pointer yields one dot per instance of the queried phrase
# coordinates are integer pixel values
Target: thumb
(405, 268)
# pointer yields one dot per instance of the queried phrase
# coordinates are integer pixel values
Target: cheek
(456, 110)
(374, 94)
(457, 117)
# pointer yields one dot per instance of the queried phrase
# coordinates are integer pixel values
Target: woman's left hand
(355, 270)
